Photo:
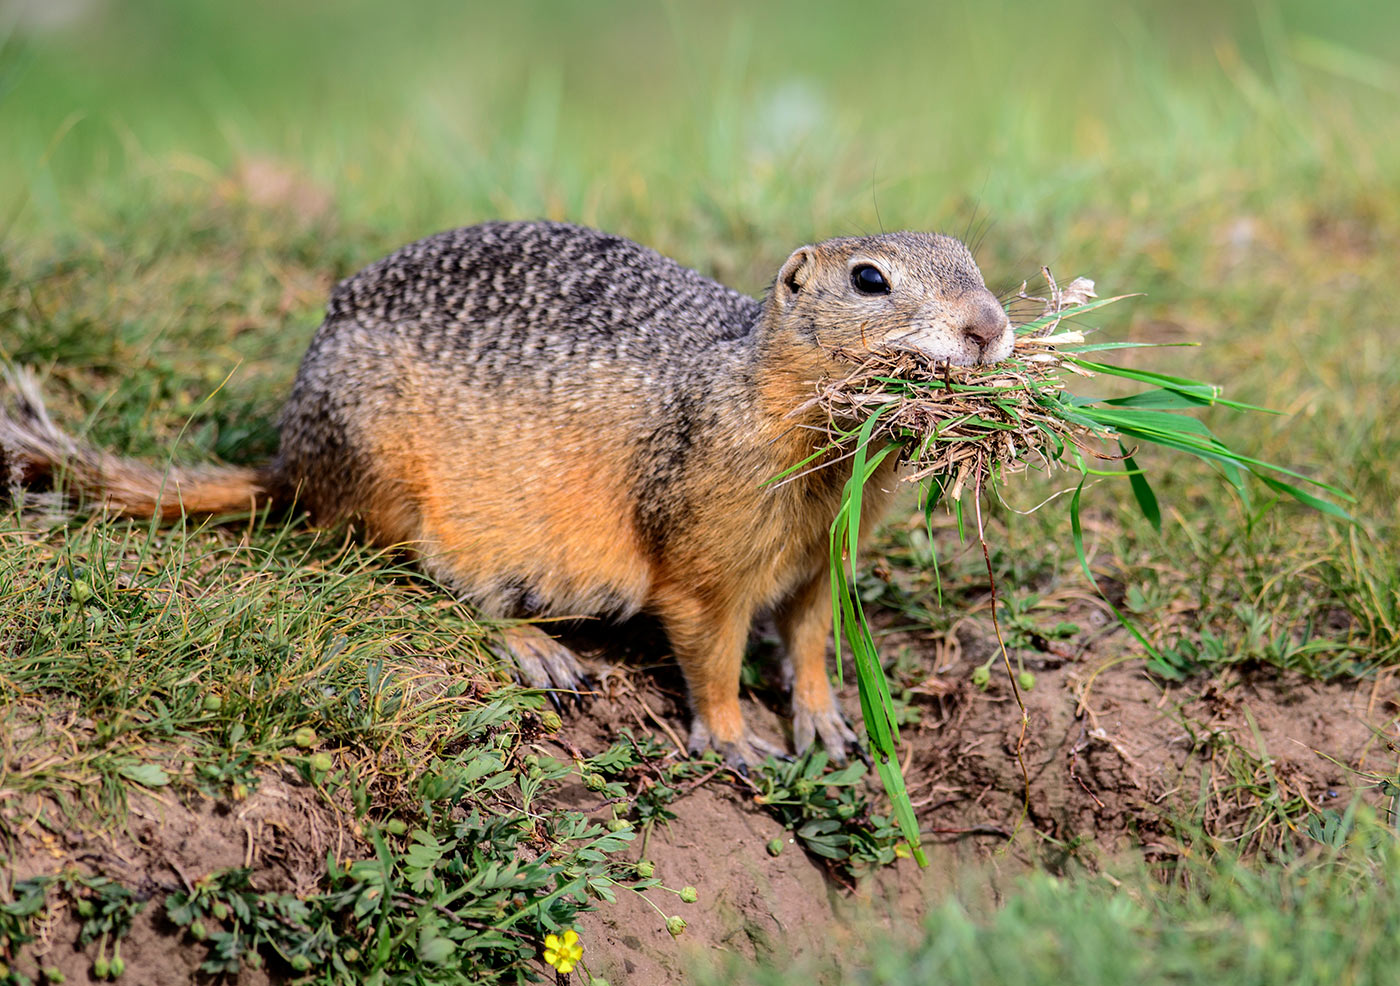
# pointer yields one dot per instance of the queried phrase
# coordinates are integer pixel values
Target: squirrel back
(506, 330)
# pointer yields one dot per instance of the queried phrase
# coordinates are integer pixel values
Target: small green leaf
(146, 774)
(436, 950)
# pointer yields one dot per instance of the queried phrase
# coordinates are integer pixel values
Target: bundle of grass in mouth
(969, 428)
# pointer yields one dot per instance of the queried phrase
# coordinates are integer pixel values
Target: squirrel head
(917, 291)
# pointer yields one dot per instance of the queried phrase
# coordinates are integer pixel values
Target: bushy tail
(33, 447)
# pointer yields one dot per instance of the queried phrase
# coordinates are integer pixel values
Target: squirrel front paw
(543, 662)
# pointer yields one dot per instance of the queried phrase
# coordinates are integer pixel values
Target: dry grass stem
(960, 424)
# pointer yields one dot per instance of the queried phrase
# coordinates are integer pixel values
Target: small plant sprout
(563, 952)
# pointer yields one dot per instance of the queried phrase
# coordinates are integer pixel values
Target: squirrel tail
(33, 447)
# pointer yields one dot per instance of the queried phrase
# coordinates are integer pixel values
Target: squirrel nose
(986, 324)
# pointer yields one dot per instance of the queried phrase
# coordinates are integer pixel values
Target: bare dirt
(1114, 757)
(1110, 754)
(283, 831)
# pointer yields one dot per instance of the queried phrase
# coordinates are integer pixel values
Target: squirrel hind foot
(749, 750)
(542, 662)
(827, 724)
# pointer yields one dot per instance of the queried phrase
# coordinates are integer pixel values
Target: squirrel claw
(864, 755)
(584, 685)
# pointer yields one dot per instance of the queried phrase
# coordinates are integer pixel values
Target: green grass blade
(1144, 495)
(1209, 391)
(855, 486)
(849, 621)
(1216, 452)
(1162, 400)
(1302, 496)
(1095, 347)
(1142, 491)
(1162, 421)
(1070, 312)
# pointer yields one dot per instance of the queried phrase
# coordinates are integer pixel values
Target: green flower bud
(775, 846)
(619, 825)
(198, 931)
(322, 762)
(219, 910)
(689, 895)
(595, 782)
(83, 907)
(645, 869)
(551, 722)
(118, 966)
(982, 677)
(351, 955)
(100, 968)
(300, 962)
(305, 737)
(53, 974)
(1026, 680)
(395, 826)
(212, 703)
(675, 925)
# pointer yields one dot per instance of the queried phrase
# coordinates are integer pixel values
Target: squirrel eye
(869, 280)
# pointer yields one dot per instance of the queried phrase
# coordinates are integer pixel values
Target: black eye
(869, 280)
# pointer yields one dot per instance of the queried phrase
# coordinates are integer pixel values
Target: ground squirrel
(560, 422)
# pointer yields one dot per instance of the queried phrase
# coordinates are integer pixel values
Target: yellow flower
(563, 953)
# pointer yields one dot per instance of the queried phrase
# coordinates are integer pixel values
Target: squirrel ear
(796, 272)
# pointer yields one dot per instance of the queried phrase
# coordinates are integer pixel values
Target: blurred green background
(823, 117)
